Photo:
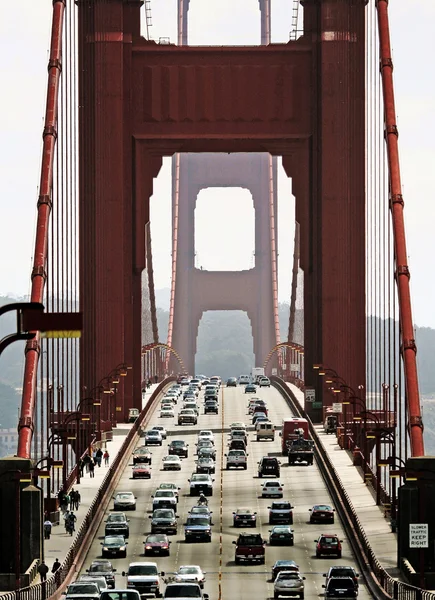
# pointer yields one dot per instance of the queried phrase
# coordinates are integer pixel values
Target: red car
(142, 471)
(328, 544)
(157, 543)
(322, 513)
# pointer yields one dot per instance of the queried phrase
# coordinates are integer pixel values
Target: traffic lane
(304, 487)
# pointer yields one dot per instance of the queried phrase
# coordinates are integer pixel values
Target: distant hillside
(163, 298)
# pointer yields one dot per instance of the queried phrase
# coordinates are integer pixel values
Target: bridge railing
(381, 585)
(53, 586)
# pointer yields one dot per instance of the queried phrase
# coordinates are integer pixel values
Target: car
(281, 512)
(143, 577)
(117, 524)
(232, 382)
(237, 444)
(153, 437)
(259, 416)
(328, 544)
(178, 447)
(141, 472)
(207, 453)
(187, 416)
(281, 535)
(238, 434)
(342, 571)
(197, 527)
(191, 405)
(170, 486)
(264, 382)
(142, 455)
(289, 583)
(201, 483)
(162, 430)
(184, 591)
(124, 501)
(205, 464)
(171, 463)
(206, 434)
(211, 406)
(249, 548)
(166, 413)
(133, 414)
(123, 594)
(237, 425)
(236, 459)
(190, 573)
(322, 513)
(205, 444)
(163, 520)
(83, 589)
(164, 499)
(105, 568)
(283, 565)
(341, 587)
(157, 543)
(244, 517)
(244, 379)
(250, 388)
(269, 466)
(272, 488)
(202, 510)
(114, 545)
(100, 580)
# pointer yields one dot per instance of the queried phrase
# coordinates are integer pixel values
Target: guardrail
(381, 585)
(53, 585)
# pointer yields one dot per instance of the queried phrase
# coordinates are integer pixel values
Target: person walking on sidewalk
(47, 529)
(87, 460)
(81, 467)
(56, 566)
(92, 469)
(99, 456)
(43, 570)
(106, 458)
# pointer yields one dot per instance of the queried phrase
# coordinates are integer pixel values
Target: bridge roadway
(232, 489)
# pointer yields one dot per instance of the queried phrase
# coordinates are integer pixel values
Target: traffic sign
(294, 367)
(310, 395)
(337, 407)
(418, 535)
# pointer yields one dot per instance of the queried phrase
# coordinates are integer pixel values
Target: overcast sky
(24, 42)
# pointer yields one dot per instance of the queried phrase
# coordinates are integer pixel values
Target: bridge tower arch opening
(224, 344)
(224, 235)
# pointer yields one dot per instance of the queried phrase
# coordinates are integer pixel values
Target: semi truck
(293, 429)
(257, 373)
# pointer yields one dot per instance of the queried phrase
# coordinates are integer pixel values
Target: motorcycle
(202, 501)
(69, 527)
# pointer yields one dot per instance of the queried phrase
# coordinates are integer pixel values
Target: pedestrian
(43, 570)
(78, 499)
(73, 497)
(106, 458)
(87, 460)
(56, 566)
(156, 378)
(92, 469)
(81, 466)
(47, 529)
(99, 456)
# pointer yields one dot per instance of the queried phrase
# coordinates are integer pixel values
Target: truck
(257, 373)
(249, 548)
(300, 451)
(293, 429)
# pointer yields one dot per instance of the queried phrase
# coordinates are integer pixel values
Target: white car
(162, 430)
(273, 487)
(236, 459)
(170, 486)
(166, 413)
(237, 425)
(164, 499)
(206, 434)
(190, 573)
(172, 463)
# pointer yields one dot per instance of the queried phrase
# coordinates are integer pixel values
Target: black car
(163, 520)
(268, 466)
(104, 568)
(283, 565)
(250, 389)
(281, 535)
(341, 587)
(117, 524)
(342, 571)
(114, 545)
(178, 448)
(322, 513)
(232, 382)
(244, 517)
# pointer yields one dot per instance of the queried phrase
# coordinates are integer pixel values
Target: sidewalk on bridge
(377, 528)
(59, 543)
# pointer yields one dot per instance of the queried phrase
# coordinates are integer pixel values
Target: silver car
(124, 501)
(289, 583)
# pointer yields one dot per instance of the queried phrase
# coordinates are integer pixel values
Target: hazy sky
(24, 42)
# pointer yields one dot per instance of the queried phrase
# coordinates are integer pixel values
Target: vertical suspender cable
(408, 346)
(25, 426)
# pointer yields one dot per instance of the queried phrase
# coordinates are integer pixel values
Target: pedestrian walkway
(59, 543)
(377, 528)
